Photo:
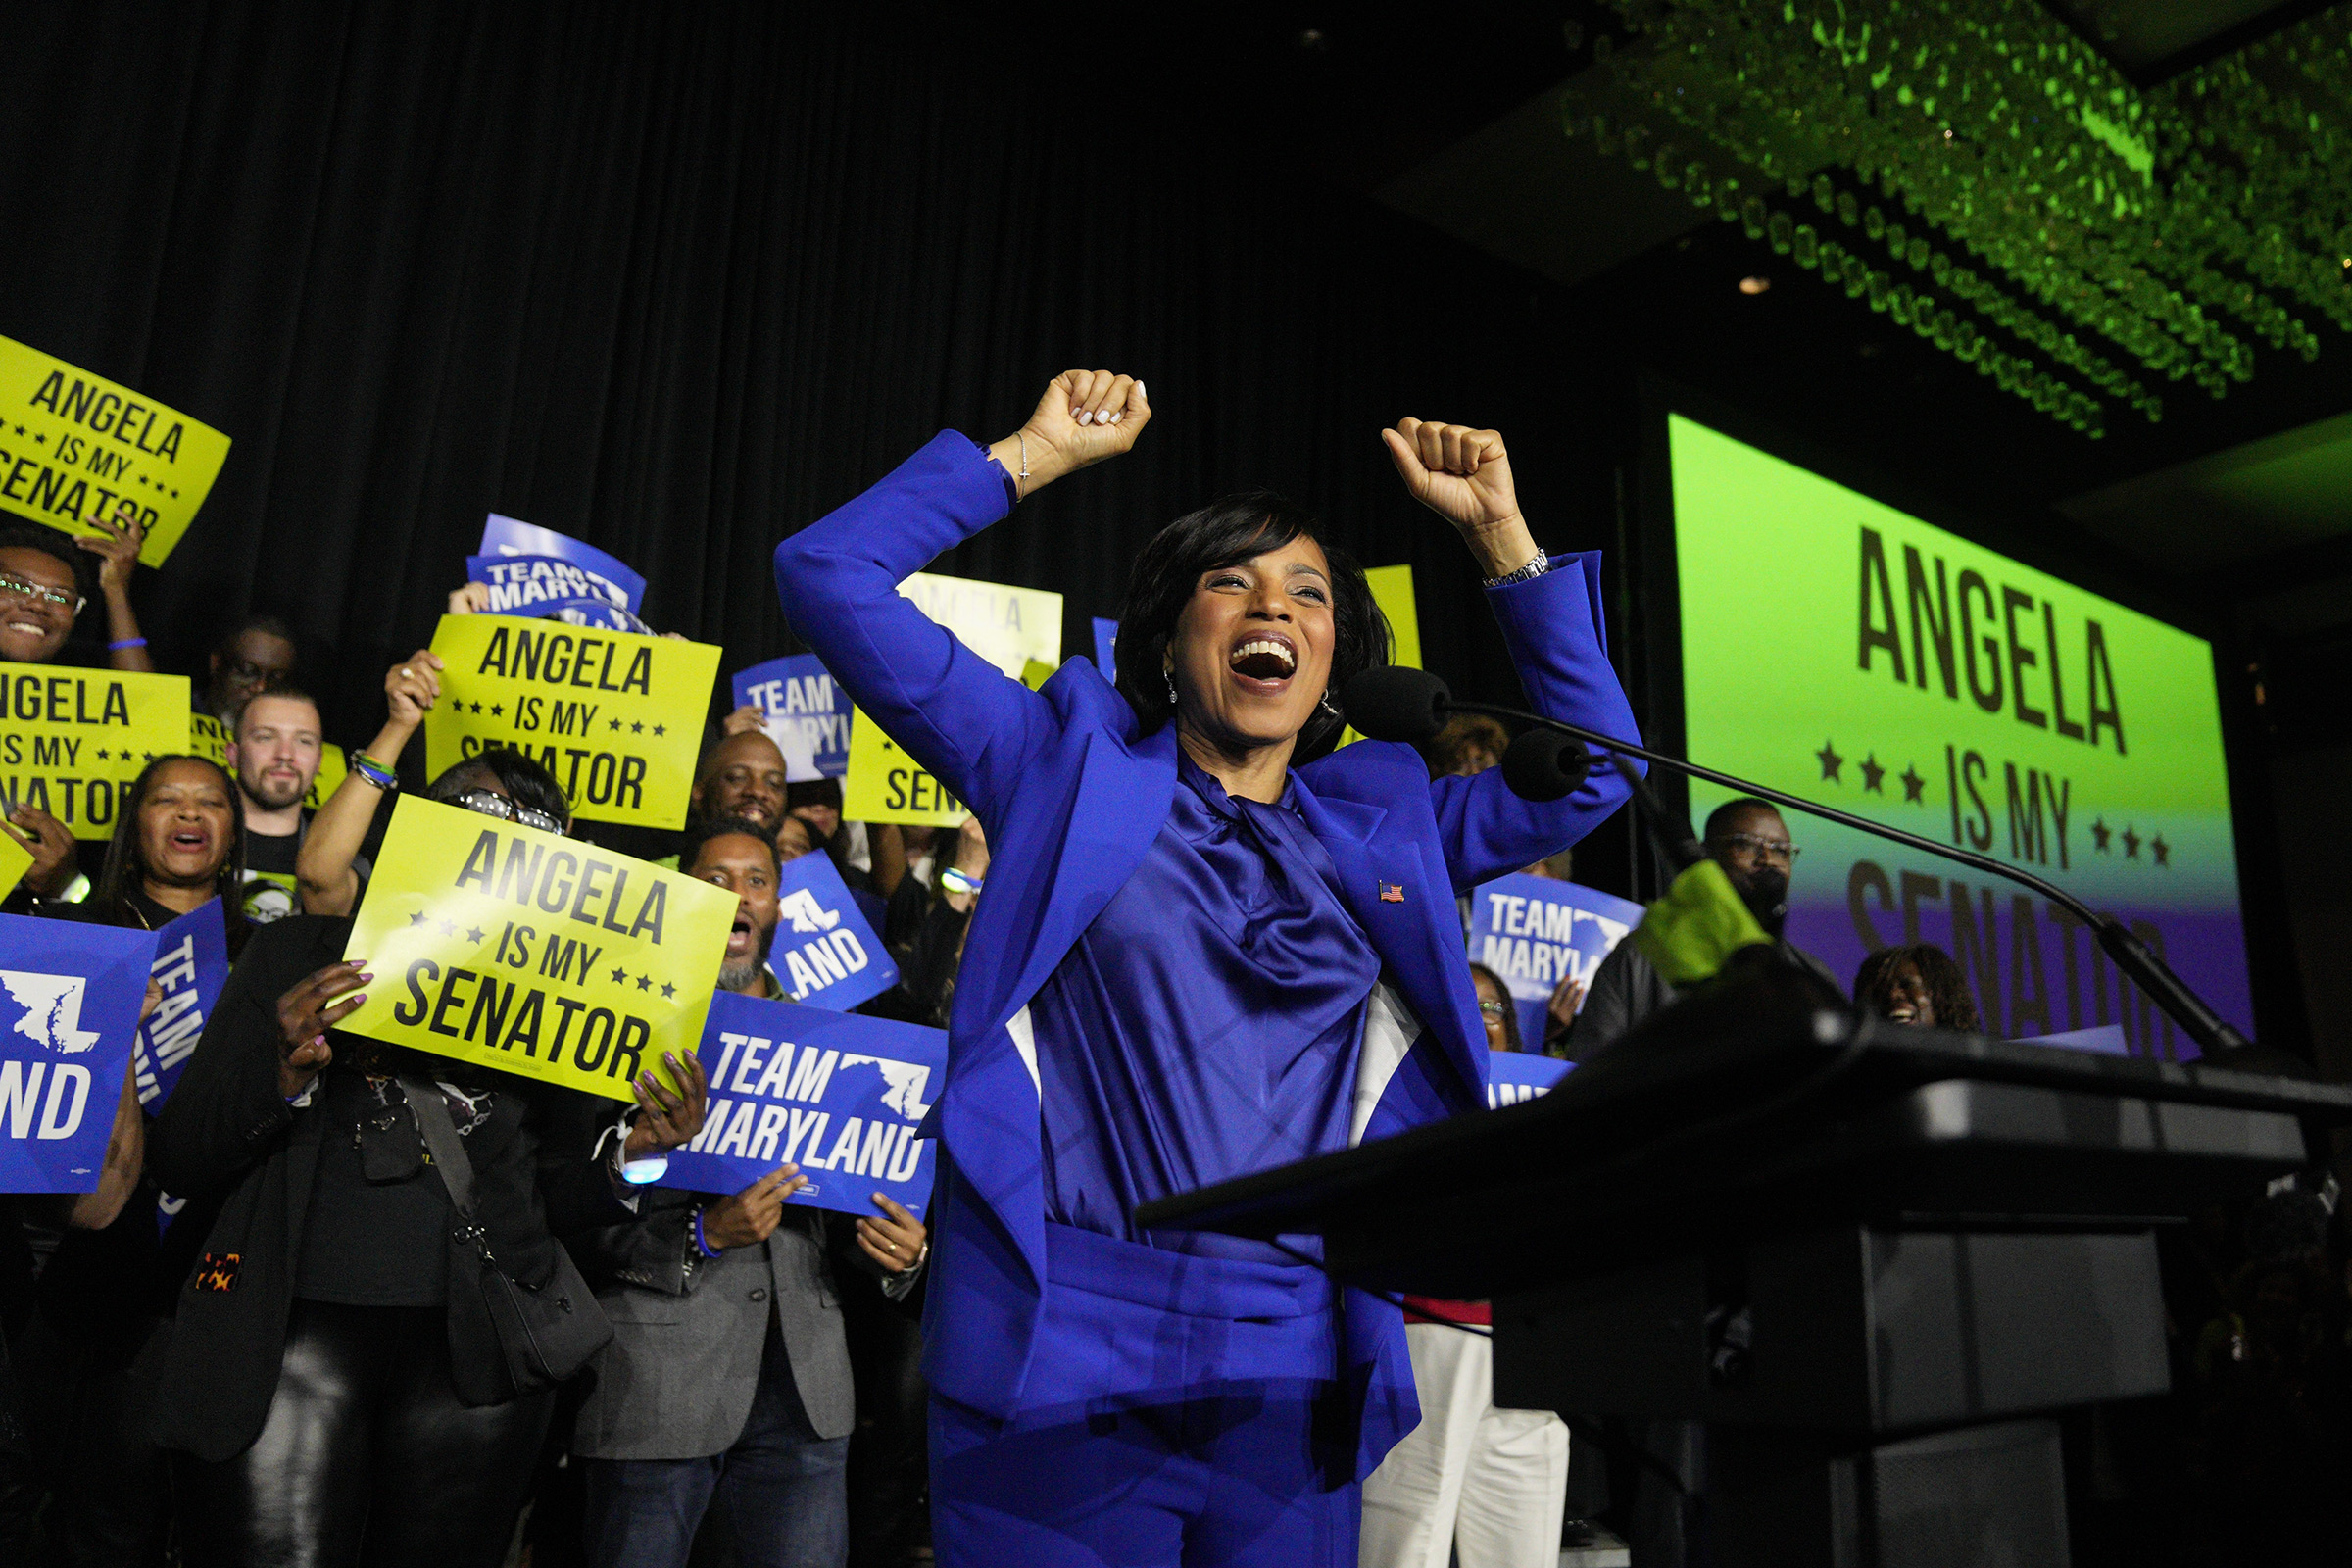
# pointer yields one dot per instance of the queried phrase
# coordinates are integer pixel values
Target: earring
(1171, 672)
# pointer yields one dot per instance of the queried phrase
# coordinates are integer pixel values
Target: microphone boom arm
(2135, 958)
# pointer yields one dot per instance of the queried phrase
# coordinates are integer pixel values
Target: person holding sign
(336, 1380)
(728, 1374)
(42, 594)
(1210, 945)
(327, 875)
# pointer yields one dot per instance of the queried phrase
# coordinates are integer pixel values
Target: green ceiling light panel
(1980, 175)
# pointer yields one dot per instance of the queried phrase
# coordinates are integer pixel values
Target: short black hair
(50, 542)
(235, 723)
(126, 868)
(1946, 984)
(1730, 809)
(703, 829)
(1225, 533)
(523, 779)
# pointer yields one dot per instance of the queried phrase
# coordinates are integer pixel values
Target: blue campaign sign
(1516, 1075)
(1535, 932)
(69, 996)
(807, 716)
(826, 952)
(836, 1094)
(509, 536)
(1107, 638)
(537, 587)
(191, 964)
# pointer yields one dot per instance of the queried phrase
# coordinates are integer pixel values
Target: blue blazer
(1072, 796)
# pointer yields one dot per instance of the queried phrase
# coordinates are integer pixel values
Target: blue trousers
(784, 1490)
(1231, 1480)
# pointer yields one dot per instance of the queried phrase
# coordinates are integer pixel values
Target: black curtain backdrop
(678, 279)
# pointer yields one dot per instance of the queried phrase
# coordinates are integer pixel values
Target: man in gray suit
(728, 1373)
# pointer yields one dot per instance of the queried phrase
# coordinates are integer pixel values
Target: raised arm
(1549, 607)
(325, 867)
(838, 578)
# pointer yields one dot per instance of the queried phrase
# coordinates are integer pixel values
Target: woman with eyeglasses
(333, 1388)
(1210, 944)
(43, 587)
(91, 1353)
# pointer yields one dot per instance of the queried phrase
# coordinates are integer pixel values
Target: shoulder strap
(441, 1141)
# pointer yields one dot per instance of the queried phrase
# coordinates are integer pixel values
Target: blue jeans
(784, 1490)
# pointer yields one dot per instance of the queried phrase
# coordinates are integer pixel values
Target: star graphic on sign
(175, 495)
(37, 436)
(149, 756)
(102, 753)
(668, 990)
(449, 928)
(2131, 844)
(1873, 777)
(617, 726)
(417, 918)
(478, 708)
(1915, 787)
(637, 728)
(1830, 761)
(2163, 850)
(473, 934)
(620, 976)
(496, 708)
(645, 982)
(2100, 833)
(661, 730)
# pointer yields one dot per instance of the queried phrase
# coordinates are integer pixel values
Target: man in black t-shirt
(273, 750)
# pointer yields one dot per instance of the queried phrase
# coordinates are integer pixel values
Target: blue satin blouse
(1207, 1024)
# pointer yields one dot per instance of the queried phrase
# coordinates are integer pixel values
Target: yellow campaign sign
(207, 738)
(14, 860)
(532, 952)
(71, 740)
(616, 717)
(1005, 625)
(883, 784)
(1392, 592)
(74, 446)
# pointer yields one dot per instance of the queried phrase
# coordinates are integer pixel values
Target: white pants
(1489, 1483)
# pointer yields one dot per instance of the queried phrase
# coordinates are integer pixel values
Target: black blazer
(227, 1132)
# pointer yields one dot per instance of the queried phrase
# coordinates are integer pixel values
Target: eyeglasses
(33, 593)
(1780, 850)
(492, 804)
(1494, 1010)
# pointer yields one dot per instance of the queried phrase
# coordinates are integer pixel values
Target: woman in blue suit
(1206, 947)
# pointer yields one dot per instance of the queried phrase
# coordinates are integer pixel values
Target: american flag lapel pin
(1392, 893)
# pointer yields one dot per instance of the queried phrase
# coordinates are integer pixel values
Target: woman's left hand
(1464, 475)
(667, 1120)
(896, 1241)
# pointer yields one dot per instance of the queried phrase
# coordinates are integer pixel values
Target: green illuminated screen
(1846, 652)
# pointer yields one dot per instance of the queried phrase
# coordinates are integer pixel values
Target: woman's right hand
(752, 1214)
(410, 687)
(304, 1016)
(1085, 417)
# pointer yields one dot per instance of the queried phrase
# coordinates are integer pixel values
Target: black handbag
(546, 1331)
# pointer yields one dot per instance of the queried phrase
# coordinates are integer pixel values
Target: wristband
(955, 881)
(701, 1244)
(374, 772)
(1533, 570)
(126, 644)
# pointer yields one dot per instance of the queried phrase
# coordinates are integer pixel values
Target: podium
(1872, 1260)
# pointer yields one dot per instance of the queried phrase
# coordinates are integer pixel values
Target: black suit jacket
(227, 1132)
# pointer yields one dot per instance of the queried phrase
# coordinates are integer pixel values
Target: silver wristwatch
(1534, 568)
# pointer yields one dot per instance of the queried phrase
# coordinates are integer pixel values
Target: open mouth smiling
(1264, 661)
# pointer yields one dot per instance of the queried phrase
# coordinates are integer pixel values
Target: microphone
(1389, 702)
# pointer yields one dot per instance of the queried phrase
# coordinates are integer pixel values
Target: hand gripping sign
(69, 996)
(836, 1094)
(191, 964)
(1535, 931)
(74, 446)
(532, 952)
(73, 740)
(807, 715)
(824, 952)
(617, 718)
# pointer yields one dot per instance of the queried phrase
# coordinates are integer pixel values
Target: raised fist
(1085, 417)
(1462, 474)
